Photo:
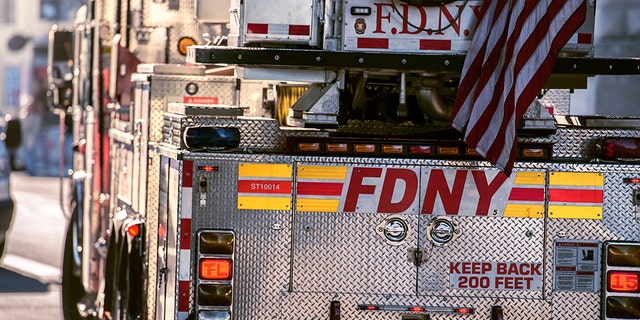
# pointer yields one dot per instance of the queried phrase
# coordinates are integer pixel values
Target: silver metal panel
(263, 247)
(293, 264)
(483, 239)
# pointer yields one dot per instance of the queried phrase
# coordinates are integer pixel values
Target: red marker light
(133, 230)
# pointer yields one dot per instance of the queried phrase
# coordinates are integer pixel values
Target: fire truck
(293, 159)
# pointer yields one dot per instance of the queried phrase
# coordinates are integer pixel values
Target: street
(30, 268)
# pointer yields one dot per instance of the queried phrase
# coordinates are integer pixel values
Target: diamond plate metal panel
(316, 306)
(482, 239)
(263, 240)
(341, 252)
(291, 265)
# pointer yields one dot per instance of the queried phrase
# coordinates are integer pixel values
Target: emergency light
(618, 149)
(211, 138)
(621, 294)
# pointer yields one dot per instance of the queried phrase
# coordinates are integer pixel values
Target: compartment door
(354, 227)
(483, 233)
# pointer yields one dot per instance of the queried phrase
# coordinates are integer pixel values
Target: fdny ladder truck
(293, 159)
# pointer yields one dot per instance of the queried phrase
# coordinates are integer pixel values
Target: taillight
(621, 294)
(214, 294)
(619, 149)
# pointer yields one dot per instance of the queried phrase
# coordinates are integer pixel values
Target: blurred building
(24, 27)
(617, 35)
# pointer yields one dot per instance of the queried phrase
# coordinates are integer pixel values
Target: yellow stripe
(264, 203)
(526, 177)
(322, 172)
(576, 179)
(575, 212)
(265, 170)
(524, 211)
(317, 205)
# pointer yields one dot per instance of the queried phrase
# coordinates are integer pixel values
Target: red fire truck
(294, 160)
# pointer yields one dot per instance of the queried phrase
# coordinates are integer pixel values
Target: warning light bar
(406, 148)
(422, 309)
(211, 138)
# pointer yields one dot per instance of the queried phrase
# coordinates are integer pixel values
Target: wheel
(72, 290)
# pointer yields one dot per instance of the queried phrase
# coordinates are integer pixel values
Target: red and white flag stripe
(512, 53)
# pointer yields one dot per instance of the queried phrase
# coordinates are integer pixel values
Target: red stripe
(264, 186)
(185, 234)
(575, 195)
(585, 38)
(299, 30)
(183, 296)
(259, 28)
(319, 188)
(373, 43)
(187, 173)
(526, 194)
(435, 44)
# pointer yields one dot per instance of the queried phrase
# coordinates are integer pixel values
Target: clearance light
(364, 148)
(533, 153)
(211, 138)
(463, 310)
(621, 299)
(423, 150)
(215, 269)
(208, 168)
(473, 152)
(392, 148)
(449, 151)
(631, 180)
(309, 146)
(337, 147)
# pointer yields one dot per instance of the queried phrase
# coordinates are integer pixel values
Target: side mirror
(60, 69)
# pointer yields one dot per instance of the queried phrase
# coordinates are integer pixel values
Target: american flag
(512, 53)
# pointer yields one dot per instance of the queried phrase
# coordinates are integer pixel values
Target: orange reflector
(392, 148)
(183, 43)
(133, 230)
(449, 151)
(309, 146)
(420, 150)
(215, 269)
(622, 281)
(337, 147)
(364, 148)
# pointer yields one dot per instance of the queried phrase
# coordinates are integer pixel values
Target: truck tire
(72, 290)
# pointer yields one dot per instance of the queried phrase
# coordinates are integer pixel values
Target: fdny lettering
(419, 17)
(436, 191)
(495, 275)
